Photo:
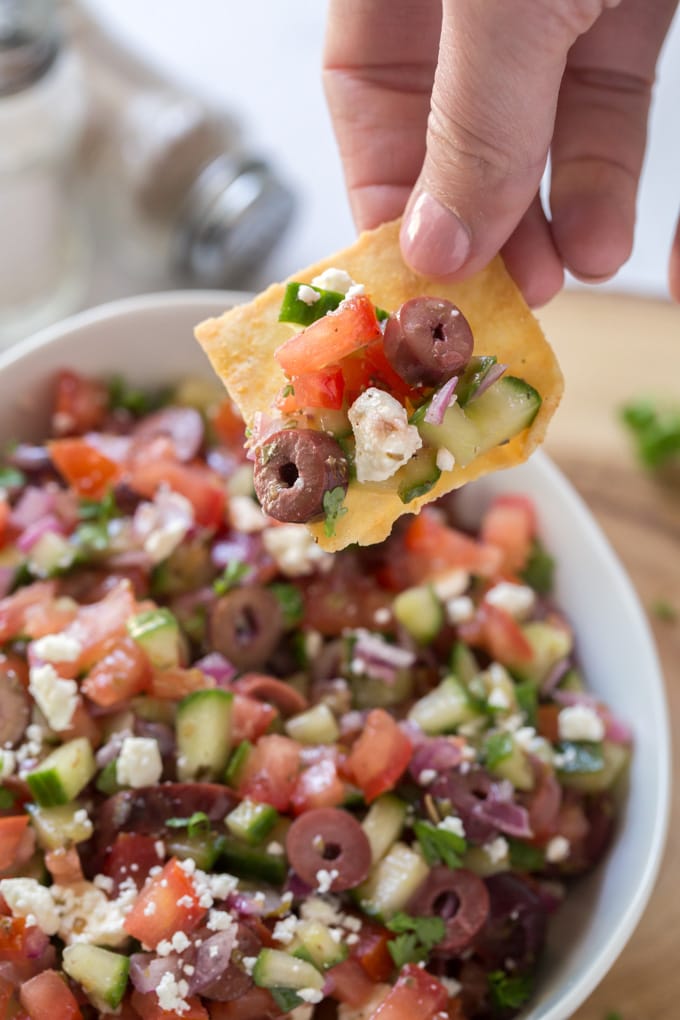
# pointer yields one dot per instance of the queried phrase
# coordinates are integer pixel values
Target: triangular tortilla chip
(242, 342)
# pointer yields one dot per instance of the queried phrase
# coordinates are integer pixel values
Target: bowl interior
(149, 340)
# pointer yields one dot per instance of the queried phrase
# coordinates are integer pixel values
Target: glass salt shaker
(42, 117)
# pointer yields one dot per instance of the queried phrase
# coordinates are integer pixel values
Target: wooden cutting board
(613, 348)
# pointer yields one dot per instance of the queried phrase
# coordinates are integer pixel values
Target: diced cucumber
(392, 882)
(201, 394)
(476, 371)
(107, 780)
(154, 709)
(52, 554)
(612, 758)
(478, 860)
(420, 612)
(204, 850)
(314, 943)
(549, 644)
(237, 762)
(276, 969)
(328, 420)
(61, 826)
(383, 824)
(204, 734)
(370, 692)
(513, 765)
(251, 821)
(418, 476)
(505, 409)
(158, 633)
(61, 776)
(315, 726)
(573, 681)
(444, 708)
(102, 974)
(464, 665)
(252, 862)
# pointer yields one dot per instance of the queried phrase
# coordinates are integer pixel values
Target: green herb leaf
(91, 537)
(525, 857)
(288, 391)
(100, 511)
(234, 572)
(417, 937)
(579, 756)
(439, 845)
(655, 431)
(527, 700)
(509, 991)
(291, 602)
(137, 402)
(333, 508)
(6, 798)
(497, 747)
(613, 1016)
(11, 478)
(197, 825)
(406, 495)
(664, 610)
(539, 572)
(286, 999)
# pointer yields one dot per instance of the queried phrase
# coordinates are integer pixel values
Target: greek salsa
(244, 779)
(373, 397)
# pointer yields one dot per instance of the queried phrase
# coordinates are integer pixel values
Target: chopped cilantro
(290, 600)
(497, 747)
(11, 478)
(664, 610)
(509, 991)
(417, 936)
(197, 825)
(333, 508)
(525, 857)
(540, 570)
(98, 510)
(234, 572)
(655, 431)
(138, 402)
(91, 537)
(288, 391)
(527, 699)
(287, 999)
(439, 845)
(579, 756)
(6, 798)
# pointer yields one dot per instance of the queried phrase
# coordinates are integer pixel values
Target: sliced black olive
(15, 707)
(427, 341)
(460, 898)
(246, 625)
(328, 839)
(294, 468)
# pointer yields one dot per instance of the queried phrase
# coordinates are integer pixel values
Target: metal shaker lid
(29, 42)
(234, 214)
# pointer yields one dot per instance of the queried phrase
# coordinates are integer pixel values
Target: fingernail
(434, 241)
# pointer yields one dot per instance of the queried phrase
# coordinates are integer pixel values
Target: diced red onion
(29, 457)
(35, 942)
(163, 734)
(512, 819)
(492, 376)
(297, 886)
(147, 970)
(559, 670)
(184, 426)
(242, 547)
(115, 447)
(616, 730)
(222, 462)
(440, 402)
(111, 749)
(184, 605)
(437, 754)
(576, 698)
(263, 427)
(218, 667)
(352, 722)
(131, 558)
(373, 655)
(34, 504)
(34, 532)
(552, 894)
(212, 959)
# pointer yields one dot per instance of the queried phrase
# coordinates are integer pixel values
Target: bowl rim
(208, 302)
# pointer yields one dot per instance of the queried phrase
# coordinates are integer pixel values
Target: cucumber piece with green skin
(61, 776)
(549, 645)
(572, 681)
(472, 378)
(154, 709)
(514, 766)
(157, 632)
(370, 692)
(315, 726)
(276, 969)
(420, 612)
(237, 763)
(62, 826)
(203, 729)
(383, 824)
(107, 780)
(464, 665)
(101, 973)
(204, 850)
(314, 943)
(505, 409)
(612, 759)
(444, 708)
(417, 476)
(392, 882)
(252, 862)
(251, 821)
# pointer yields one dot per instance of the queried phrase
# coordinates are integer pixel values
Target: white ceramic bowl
(149, 339)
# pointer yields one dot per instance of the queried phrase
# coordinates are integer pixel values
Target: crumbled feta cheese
(222, 885)
(427, 776)
(163, 524)
(471, 729)
(323, 911)
(452, 824)
(460, 609)
(139, 762)
(275, 849)
(8, 763)
(57, 699)
(172, 993)
(150, 909)
(333, 279)
(496, 850)
(452, 986)
(245, 515)
(27, 898)
(529, 741)
(307, 294)
(57, 648)
(498, 698)
(248, 963)
(384, 439)
(382, 616)
(104, 882)
(180, 942)
(516, 599)
(325, 879)
(580, 722)
(159, 847)
(452, 584)
(294, 550)
(220, 920)
(557, 850)
(284, 930)
(164, 947)
(445, 460)
(312, 995)
(185, 901)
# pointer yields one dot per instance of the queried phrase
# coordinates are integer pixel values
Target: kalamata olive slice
(427, 341)
(460, 898)
(294, 469)
(15, 709)
(234, 981)
(276, 692)
(184, 426)
(516, 926)
(246, 625)
(329, 840)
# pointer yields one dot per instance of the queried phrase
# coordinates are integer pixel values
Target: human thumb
(490, 125)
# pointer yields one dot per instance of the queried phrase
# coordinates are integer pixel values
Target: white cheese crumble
(451, 584)
(172, 993)
(248, 963)
(57, 648)
(557, 850)
(312, 995)
(497, 849)
(294, 550)
(57, 699)
(285, 930)
(427, 776)
(245, 515)
(452, 986)
(220, 920)
(77, 913)
(8, 763)
(498, 699)
(276, 849)
(139, 762)
(452, 824)
(307, 294)
(333, 279)
(325, 878)
(163, 524)
(384, 439)
(445, 460)
(27, 898)
(516, 599)
(580, 722)
(460, 609)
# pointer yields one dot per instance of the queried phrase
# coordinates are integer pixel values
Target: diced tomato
(12, 830)
(255, 1004)
(49, 617)
(250, 719)
(348, 982)
(5, 511)
(14, 609)
(47, 996)
(122, 671)
(13, 668)
(317, 787)
(175, 906)
(337, 601)
(510, 525)
(86, 469)
(14, 935)
(416, 994)
(330, 338)
(101, 621)
(204, 490)
(437, 548)
(324, 388)
(270, 772)
(148, 1008)
(176, 683)
(503, 637)
(370, 367)
(547, 722)
(6, 992)
(379, 757)
(371, 950)
(80, 404)
(454, 1009)
(131, 848)
(64, 865)
(229, 426)
(572, 822)
(82, 725)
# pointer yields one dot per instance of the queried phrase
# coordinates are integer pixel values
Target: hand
(451, 114)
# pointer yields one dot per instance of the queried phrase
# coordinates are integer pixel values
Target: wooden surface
(612, 348)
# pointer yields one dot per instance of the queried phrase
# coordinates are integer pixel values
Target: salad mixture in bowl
(243, 778)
